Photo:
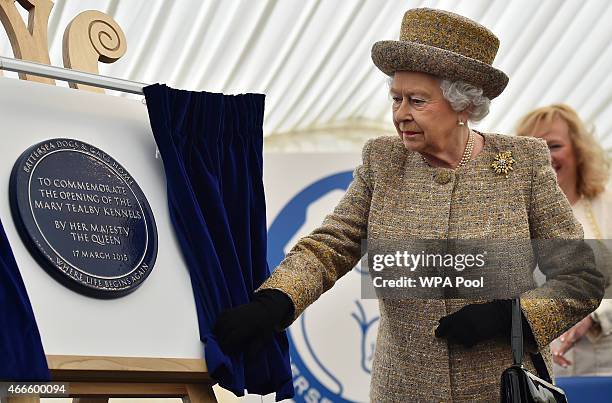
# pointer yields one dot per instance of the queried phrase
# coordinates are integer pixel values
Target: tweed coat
(396, 195)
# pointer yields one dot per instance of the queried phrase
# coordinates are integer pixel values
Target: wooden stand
(91, 37)
(96, 379)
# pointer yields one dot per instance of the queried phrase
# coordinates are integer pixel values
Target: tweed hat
(446, 45)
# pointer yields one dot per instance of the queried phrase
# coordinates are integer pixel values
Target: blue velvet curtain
(211, 146)
(21, 352)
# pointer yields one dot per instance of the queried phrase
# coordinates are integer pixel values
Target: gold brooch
(502, 164)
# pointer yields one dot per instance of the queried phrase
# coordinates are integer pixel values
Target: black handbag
(519, 385)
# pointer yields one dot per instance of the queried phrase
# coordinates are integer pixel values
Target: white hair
(462, 96)
(466, 97)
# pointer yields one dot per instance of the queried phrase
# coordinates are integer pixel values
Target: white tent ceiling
(312, 57)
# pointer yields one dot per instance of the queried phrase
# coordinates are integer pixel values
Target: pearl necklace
(467, 152)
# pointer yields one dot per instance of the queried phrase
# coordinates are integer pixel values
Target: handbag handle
(516, 342)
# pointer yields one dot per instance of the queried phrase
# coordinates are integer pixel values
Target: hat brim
(392, 56)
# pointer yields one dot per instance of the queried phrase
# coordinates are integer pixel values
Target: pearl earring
(461, 123)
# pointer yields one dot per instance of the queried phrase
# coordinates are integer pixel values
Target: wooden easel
(96, 379)
(91, 37)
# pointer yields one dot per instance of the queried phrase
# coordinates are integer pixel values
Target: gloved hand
(475, 323)
(248, 326)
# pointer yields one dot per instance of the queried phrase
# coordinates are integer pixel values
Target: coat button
(443, 176)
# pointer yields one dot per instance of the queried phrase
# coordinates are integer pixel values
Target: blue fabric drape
(22, 357)
(211, 146)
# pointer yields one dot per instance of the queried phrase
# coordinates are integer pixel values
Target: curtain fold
(211, 146)
(22, 357)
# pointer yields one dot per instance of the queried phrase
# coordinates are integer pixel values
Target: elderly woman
(583, 171)
(434, 180)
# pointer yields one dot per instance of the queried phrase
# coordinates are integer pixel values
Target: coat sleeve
(574, 287)
(318, 260)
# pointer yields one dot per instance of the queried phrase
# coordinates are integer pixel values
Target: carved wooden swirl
(92, 36)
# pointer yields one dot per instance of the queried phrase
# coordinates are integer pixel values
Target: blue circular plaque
(83, 217)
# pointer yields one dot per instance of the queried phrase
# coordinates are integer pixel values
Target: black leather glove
(478, 322)
(247, 327)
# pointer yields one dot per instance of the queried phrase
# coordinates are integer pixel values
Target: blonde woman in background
(582, 169)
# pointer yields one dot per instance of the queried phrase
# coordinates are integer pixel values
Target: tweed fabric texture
(446, 30)
(395, 196)
(446, 45)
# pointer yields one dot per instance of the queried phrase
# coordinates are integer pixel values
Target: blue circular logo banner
(319, 356)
